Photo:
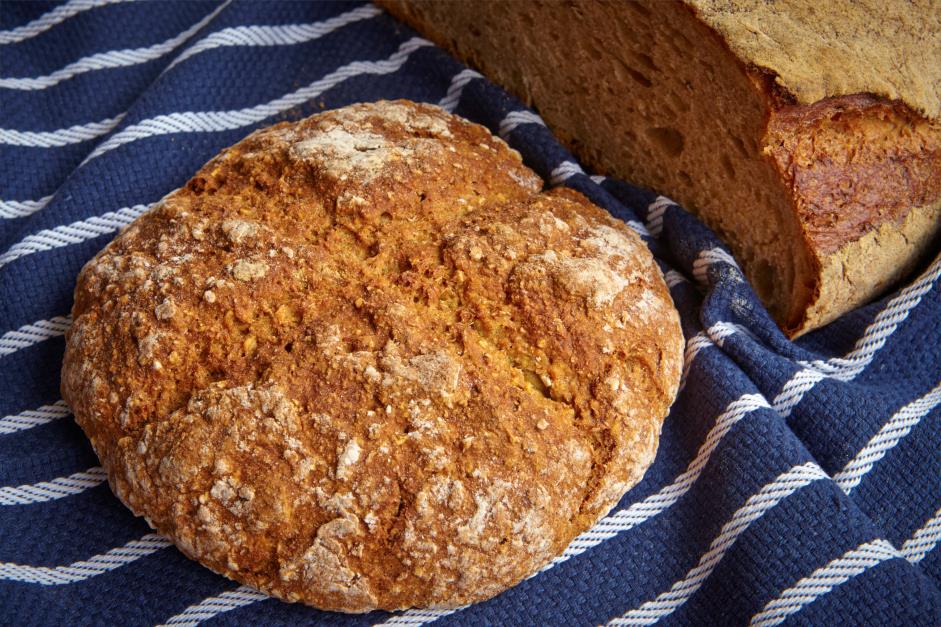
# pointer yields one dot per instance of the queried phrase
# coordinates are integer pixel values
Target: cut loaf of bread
(806, 134)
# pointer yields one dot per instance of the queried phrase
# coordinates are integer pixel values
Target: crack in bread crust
(361, 361)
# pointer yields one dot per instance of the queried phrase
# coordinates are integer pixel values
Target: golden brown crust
(854, 163)
(824, 50)
(891, 252)
(361, 362)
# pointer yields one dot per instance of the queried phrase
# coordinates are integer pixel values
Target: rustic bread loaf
(361, 361)
(806, 134)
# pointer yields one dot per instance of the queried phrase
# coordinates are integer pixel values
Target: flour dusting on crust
(361, 361)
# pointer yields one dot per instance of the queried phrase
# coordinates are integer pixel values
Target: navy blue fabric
(805, 471)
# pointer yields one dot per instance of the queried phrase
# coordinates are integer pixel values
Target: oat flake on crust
(362, 361)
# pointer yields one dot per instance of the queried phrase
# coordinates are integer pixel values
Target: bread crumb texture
(361, 361)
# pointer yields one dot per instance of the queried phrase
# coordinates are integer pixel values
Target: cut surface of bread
(826, 194)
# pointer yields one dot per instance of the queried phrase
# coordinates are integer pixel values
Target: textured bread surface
(362, 361)
(795, 130)
(818, 50)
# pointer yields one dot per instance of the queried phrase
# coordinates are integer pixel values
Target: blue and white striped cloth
(796, 481)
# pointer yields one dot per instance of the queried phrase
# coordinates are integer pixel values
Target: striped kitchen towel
(796, 481)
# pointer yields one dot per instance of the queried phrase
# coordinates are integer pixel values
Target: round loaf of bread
(362, 361)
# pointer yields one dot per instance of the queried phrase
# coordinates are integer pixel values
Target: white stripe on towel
(33, 333)
(50, 19)
(708, 258)
(823, 580)
(563, 172)
(278, 35)
(73, 233)
(868, 345)
(713, 336)
(51, 490)
(891, 433)
(755, 507)
(84, 569)
(110, 59)
(215, 121)
(62, 137)
(33, 417)
(655, 211)
(866, 348)
(21, 208)
(674, 278)
(924, 540)
(458, 83)
(515, 119)
(215, 605)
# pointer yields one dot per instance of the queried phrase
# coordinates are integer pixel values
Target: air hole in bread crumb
(668, 139)
(727, 165)
(646, 61)
(638, 76)
(639, 9)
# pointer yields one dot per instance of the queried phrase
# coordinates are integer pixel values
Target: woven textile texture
(796, 481)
